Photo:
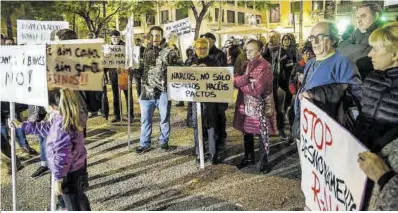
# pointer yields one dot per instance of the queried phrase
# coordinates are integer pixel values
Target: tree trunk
(9, 26)
(197, 26)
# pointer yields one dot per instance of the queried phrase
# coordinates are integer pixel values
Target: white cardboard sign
(75, 64)
(331, 178)
(23, 74)
(37, 32)
(200, 84)
(114, 56)
(181, 27)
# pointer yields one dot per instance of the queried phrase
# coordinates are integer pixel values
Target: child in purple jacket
(66, 154)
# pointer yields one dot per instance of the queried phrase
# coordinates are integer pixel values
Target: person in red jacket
(254, 102)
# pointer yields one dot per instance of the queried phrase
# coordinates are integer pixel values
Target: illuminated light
(342, 25)
(383, 18)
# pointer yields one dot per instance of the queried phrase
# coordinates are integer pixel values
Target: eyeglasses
(317, 38)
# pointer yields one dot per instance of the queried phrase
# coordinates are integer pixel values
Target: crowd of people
(355, 81)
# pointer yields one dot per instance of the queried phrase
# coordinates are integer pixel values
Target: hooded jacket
(65, 150)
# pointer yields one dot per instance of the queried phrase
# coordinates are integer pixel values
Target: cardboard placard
(37, 32)
(75, 64)
(331, 178)
(23, 74)
(181, 27)
(114, 56)
(200, 84)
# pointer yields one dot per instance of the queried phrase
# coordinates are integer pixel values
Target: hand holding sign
(372, 165)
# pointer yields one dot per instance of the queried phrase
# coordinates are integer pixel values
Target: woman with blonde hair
(377, 123)
(65, 149)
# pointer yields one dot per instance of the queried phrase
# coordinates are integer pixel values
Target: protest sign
(75, 64)
(37, 32)
(200, 84)
(114, 56)
(23, 74)
(181, 27)
(331, 178)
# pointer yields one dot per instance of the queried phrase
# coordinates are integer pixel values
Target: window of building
(317, 5)
(137, 23)
(230, 16)
(150, 19)
(241, 18)
(181, 13)
(165, 16)
(345, 6)
(258, 19)
(295, 7)
(222, 15)
(275, 14)
(216, 12)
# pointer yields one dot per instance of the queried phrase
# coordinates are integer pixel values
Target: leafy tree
(95, 13)
(199, 15)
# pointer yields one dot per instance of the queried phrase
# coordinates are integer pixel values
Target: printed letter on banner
(331, 178)
(200, 84)
(37, 32)
(23, 74)
(76, 64)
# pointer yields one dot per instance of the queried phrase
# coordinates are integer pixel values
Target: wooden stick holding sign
(200, 84)
(129, 63)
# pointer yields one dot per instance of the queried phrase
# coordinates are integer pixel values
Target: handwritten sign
(37, 32)
(23, 74)
(114, 56)
(331, 177)
(181, 27)
(200, 84)
(75, 64)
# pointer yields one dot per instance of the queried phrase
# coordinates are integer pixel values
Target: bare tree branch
(112, 14)
(195, 12)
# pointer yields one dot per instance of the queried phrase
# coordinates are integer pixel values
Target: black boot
(249, 151)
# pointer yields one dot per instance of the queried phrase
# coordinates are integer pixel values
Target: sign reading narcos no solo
(331, 178)
(200, 84)
(23, 74)
(75, 64)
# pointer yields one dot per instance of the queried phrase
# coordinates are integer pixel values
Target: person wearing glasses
(328, 76)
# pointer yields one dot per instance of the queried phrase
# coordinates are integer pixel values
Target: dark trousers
(279, 100)
(248, 140)
(211, 134)
(138, 86)
(115, 91)
(93, 100)
(5, 146)
(73, 191)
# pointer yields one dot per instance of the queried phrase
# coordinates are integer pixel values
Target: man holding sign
(113, 76)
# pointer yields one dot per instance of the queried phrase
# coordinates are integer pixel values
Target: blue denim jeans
(20, 135)
(147, 110)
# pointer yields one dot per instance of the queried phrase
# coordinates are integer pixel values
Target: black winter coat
(379, 106)
(218, 55)
(210, 111)
(281, 79)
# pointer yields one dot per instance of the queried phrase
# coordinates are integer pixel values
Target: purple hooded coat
(65, 151)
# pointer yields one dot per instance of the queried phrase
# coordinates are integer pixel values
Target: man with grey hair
(328, 77)
(356, 47)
